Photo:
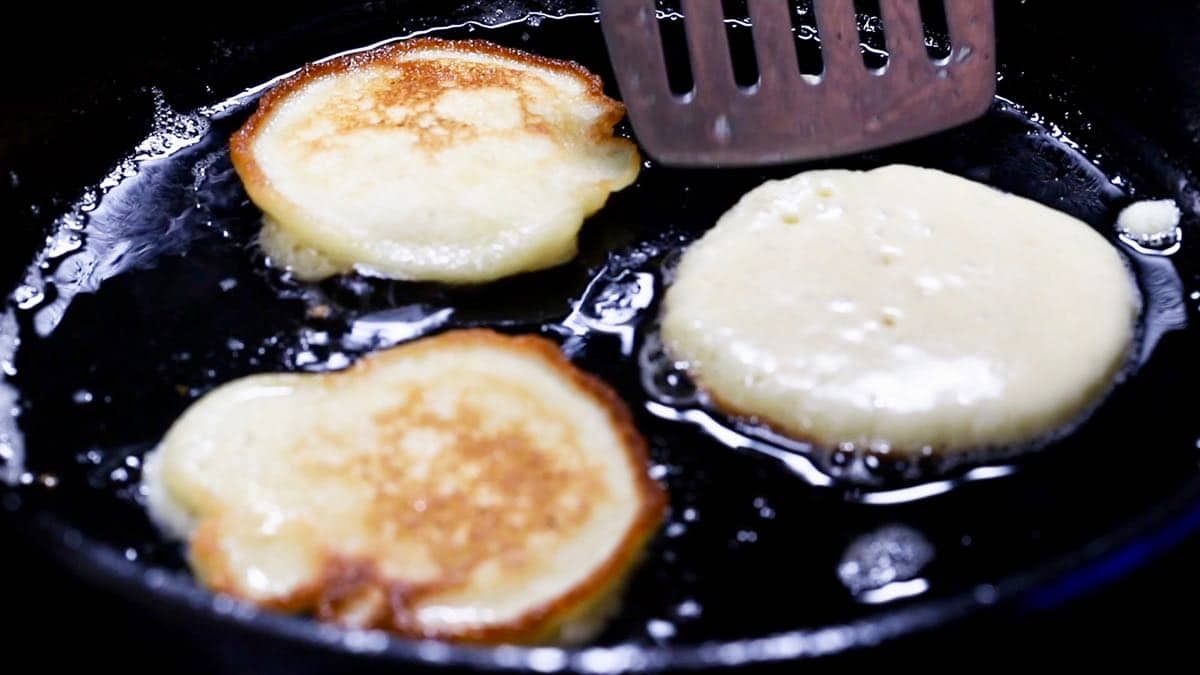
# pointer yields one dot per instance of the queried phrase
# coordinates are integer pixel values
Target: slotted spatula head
(787, 116)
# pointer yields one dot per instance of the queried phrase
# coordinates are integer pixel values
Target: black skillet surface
(751, 549)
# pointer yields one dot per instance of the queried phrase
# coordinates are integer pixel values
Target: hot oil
(152, 292)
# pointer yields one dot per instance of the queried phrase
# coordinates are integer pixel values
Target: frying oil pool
(151, 292)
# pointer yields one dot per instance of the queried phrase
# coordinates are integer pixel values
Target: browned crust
(241, 144)
(817, 443)
(342, 578)
(730, 410)
(896, 452)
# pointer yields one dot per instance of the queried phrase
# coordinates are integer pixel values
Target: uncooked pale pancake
(469, 486)
(901, 308)
(432, 160)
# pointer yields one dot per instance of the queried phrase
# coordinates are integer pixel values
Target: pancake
(470, 486)
(431, 160)
(901, 309)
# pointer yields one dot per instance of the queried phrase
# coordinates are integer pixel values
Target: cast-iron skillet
(151, 293)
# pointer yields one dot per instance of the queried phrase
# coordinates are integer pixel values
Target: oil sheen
(150, 292)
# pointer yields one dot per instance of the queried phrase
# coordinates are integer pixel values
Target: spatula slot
(872, 39)
(808, 45)
(674, 41)
(741, 43)
(937, 32)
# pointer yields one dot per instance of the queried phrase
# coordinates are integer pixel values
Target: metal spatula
(787, 116)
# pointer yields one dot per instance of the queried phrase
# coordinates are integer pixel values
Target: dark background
(1142, 64)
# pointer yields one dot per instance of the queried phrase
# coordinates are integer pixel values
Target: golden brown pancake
(470, 486)
(452, 161)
